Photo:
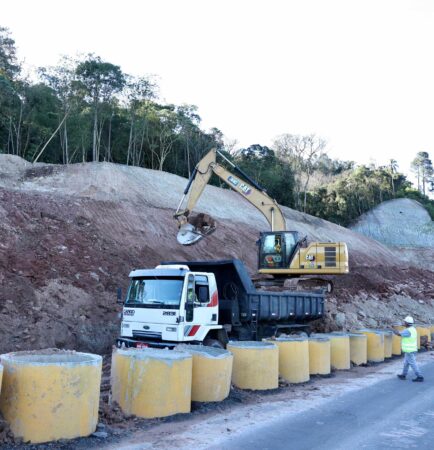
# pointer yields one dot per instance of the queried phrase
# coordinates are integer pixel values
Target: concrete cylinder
(423, 330)
(319, 355)
(388, 342)
(396, 345)
(150, 382)
(256, 365)
(358, 348)
(1, 377)
(339, 351)
(212, 372)
(375, 345)
(420, 332)
(293, 358)
(49, 395)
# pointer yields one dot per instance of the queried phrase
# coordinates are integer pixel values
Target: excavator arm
(192, 230)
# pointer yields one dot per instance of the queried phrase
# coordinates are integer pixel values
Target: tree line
(87, 109)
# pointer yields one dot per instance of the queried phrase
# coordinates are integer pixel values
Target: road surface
(390, 414)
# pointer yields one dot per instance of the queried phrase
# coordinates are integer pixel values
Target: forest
(86, 109)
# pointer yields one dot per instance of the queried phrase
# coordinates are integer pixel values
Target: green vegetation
(88, 109)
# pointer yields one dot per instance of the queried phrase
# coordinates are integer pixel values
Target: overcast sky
(359, 73)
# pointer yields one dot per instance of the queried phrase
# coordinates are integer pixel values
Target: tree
(301, 152)
(9, 67)
(423, 167)
(11, 99)
(393, 167)
(99, 81)
(139, 92)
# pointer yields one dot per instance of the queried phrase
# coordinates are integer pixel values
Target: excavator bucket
(195, 229)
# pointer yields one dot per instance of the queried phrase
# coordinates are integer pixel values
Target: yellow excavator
(282, 254)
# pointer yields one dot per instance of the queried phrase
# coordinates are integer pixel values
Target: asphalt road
(390, 414)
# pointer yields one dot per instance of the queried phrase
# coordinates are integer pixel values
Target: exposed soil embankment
(69, 235)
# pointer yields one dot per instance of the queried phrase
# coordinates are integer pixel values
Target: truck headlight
(170, 328)
(125, 325)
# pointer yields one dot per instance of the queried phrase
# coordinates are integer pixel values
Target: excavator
(284, 255)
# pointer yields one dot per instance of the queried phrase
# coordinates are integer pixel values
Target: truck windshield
(155, 292)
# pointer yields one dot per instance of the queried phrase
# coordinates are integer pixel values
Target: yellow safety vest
(409, 344)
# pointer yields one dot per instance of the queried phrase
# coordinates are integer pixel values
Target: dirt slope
(69, 235)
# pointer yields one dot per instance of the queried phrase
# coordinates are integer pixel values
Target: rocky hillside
(69, 235)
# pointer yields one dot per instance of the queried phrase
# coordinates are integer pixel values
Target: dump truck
(210, 303)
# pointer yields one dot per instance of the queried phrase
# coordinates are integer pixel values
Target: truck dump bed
(241, 302)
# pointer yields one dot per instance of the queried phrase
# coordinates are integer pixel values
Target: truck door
(200, 309)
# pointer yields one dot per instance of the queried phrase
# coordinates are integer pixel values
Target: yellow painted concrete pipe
(49, 395)
(396, 345)
(212, 372)
(358, 348)
(339, 351)
(256, 365)
(293, 358)
(1, 377)
(375, 345)
(388, 342)
(150, 382)
(319, 355)
(424, 331)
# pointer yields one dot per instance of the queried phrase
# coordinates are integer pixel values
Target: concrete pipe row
(49, 395)
(153, 383)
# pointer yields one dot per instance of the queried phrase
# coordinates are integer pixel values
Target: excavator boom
(191, 230)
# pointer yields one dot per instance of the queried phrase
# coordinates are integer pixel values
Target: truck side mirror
(119, 300)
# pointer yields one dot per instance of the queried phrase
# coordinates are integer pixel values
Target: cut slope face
(401, 222)
(69, 236)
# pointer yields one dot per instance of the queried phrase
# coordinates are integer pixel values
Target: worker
(409, 348)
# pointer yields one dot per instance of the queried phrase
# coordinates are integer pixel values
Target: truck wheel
(213, 343)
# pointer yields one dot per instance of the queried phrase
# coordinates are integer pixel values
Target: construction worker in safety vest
(409, 348)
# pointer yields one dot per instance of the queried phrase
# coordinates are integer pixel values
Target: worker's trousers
(410, 361)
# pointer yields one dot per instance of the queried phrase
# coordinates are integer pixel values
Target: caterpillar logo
(244, 188)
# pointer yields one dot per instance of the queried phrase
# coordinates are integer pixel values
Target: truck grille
(146, 334)
(330, 256)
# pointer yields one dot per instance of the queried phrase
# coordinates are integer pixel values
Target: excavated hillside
(69, 235)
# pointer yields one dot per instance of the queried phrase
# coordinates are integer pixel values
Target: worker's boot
(418, 378)
(401, 376)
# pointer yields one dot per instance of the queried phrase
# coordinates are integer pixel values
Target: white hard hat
(409, 319)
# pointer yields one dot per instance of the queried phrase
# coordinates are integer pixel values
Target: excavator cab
(277, 248)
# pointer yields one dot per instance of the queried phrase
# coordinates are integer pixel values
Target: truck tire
(213, 343)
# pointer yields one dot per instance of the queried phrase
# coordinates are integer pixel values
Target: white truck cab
(169, 305)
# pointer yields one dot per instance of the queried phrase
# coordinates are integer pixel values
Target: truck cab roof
(159, 272)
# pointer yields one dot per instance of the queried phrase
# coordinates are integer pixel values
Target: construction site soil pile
(69, 235)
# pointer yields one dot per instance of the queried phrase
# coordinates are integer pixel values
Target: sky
(359, 73)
